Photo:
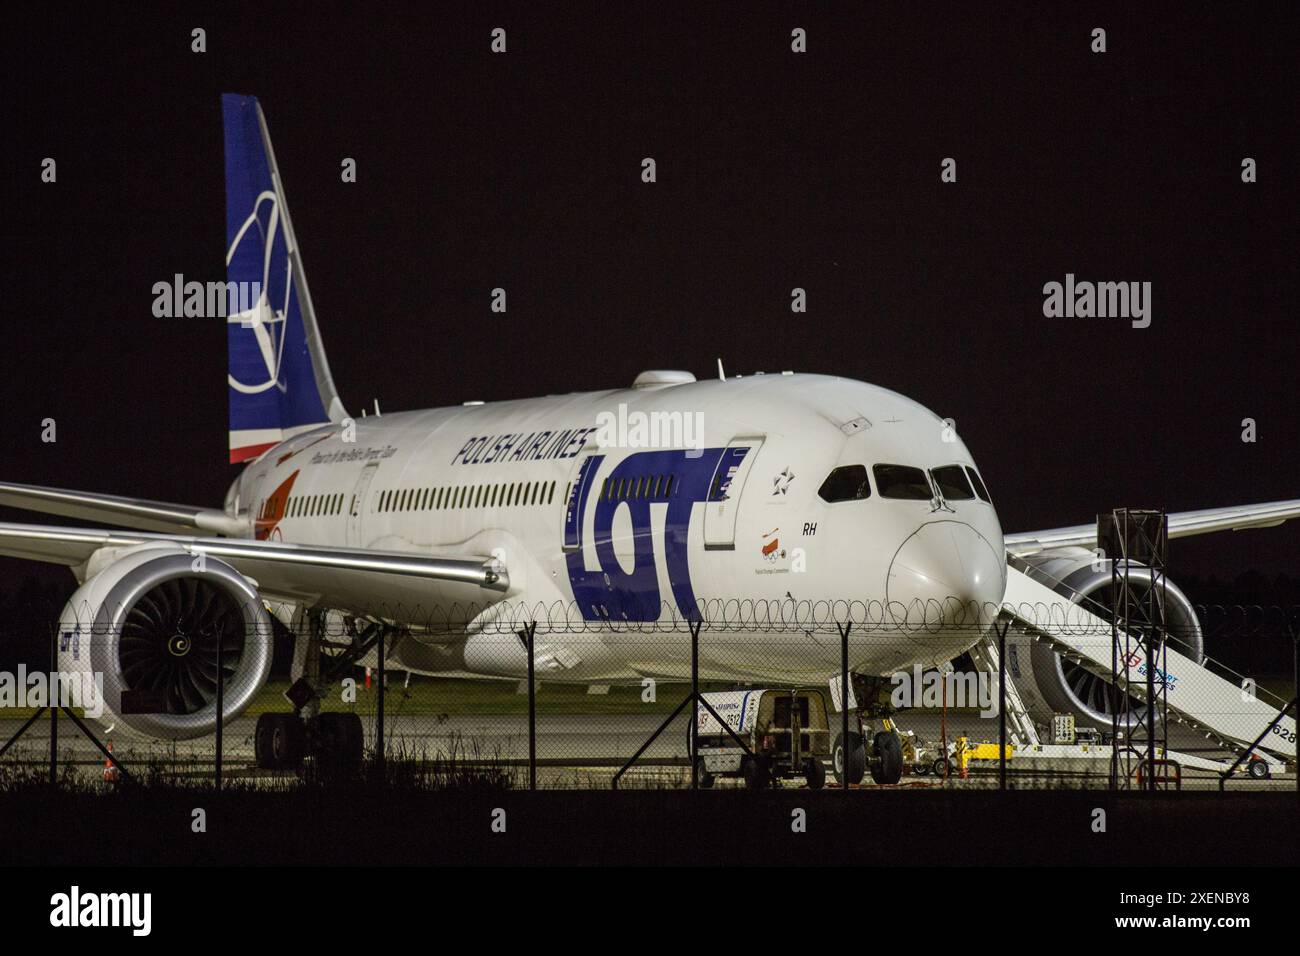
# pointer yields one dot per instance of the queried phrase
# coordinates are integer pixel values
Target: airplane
(765, 506)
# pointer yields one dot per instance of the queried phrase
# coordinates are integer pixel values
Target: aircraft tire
(857, 759)
(887, 763)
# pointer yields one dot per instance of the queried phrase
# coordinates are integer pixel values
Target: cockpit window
(846, 483)
(902, 481)
(952, 483)
(979, 484)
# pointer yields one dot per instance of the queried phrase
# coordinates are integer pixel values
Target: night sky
(775, 170)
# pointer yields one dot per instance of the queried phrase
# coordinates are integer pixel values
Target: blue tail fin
(279, 380)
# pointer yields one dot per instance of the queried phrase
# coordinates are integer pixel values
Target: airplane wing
(359, 581)
(126, 512)
(1181, 524)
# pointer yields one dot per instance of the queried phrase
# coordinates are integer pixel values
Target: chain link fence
(728, 694)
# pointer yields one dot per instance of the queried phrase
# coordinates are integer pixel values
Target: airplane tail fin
(279, 380)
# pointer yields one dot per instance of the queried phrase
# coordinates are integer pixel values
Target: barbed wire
(730, 615)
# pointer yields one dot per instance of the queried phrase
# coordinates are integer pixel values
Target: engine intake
(151, 624)
(1055, 685)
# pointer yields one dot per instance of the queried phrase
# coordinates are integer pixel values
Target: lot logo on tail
(266, 325)
(273, 388)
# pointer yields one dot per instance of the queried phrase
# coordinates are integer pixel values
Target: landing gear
(885, 757)
(337, 741)
(1258, 769)
(887, 761)
(283, 741)
(279, 742)
(850, 762)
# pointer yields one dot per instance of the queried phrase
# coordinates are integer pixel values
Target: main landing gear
(335, 740)
(284, 741)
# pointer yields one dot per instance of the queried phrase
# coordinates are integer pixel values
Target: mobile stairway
(1195, 695)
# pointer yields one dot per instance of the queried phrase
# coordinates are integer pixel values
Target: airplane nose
(946, 573)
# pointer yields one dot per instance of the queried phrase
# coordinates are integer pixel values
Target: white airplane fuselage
(706, 497)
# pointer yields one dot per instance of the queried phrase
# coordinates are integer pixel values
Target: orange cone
(110, 768)
(367, 678)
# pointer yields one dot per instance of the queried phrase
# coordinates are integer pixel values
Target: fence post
(1295, 676)
(379, 713)
(531, 631)
(221, 711)
(1001, 704)
(695, 704)
(844, 701)
(54, 707)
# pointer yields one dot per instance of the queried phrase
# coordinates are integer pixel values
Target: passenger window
(952, 483)
(902, 481)
(846, 483)
(978, 482)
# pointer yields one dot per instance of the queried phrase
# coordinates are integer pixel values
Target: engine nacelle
(1047, 682)
(151, 621)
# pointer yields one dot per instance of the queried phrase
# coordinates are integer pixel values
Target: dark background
(775, 170)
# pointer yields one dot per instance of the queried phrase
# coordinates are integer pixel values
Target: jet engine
(153, 623)
(1048, 683)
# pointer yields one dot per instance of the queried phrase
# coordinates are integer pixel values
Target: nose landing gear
(881, 752)
(849, 759)
(887, 763)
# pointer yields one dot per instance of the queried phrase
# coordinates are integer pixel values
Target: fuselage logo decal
(272, 511)
(607, 591)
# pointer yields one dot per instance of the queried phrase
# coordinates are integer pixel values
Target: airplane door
(358, 503)
(581, 475)
(724, 493)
